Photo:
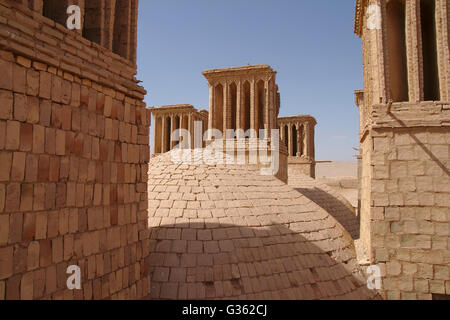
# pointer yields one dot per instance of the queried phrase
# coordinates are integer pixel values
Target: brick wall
(73, 151)
(409, 198)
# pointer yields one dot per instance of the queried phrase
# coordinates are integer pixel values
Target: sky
(309, 43)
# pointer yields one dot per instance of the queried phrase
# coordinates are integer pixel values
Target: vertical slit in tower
(396, 36)
(429, 50)
(246, 109)
(56, 10)
(94, 21)
(294, 140)
(218, 108)
(122, 23)
(233, 93)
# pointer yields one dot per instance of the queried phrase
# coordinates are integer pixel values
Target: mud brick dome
(226, 232)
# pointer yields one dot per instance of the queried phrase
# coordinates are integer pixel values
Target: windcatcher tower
(245, 100)
(405, 137)
(297, 134)
(74, 149)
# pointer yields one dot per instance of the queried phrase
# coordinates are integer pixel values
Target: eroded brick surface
(242, 235)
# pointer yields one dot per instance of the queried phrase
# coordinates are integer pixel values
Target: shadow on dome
(335, 208)
(191, 261)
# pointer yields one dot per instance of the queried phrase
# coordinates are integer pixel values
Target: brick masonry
(74, 153)
(404, 177)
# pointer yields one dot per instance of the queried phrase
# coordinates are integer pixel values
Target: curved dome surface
(328, 199)
(227, 232)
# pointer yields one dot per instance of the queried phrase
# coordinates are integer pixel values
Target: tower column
(155, 130)
(253, 109)
(267, 120)
(226, 109)
(307, 139)
(238, 107)
(290, 142)
(163, 133)
(191, 131)
(172, 122)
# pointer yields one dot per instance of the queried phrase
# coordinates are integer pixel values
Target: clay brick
(33, 256)
(108, 106)
(45, 253)
(5, 168)
(66, 92)
(53, 224)
(13, 288)
(73, 221)
(45, 115)
(32, 83)
(26, 137)
(50, 280)
(12, 135)
(60, 143)
(68, 247)
(41, 226)
(31, 168)
(76, 93)
(6, 103)
(38, 139)
(4, 229)
(19, 79)
(6, 265)
(57, 250)
(2, 134)
(6, 76)
(56, 115)
(45, 85)
(50, 141)
(18, 167)
(26, 199)
(2, 290)
(84, 98)
(39, 197)
(12, 197)
(44, 168)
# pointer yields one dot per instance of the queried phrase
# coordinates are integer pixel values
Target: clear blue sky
(310, 43)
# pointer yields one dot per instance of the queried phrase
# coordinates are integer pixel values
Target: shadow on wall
(192, 261)
(335, 208)
(419, 143)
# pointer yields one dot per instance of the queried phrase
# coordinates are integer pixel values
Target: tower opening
(396, 36)
(260, 106)
(93, 17)
(158, 126)
(167, 146)
(429, 50)
(246, 109)
(218, 108)
(301, 135)
(233, 94)
(286, 136)
(176, 127)
(294, 141)
(121, 43)
(55, 10)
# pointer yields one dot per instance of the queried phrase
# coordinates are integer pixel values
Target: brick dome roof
(227, 232)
